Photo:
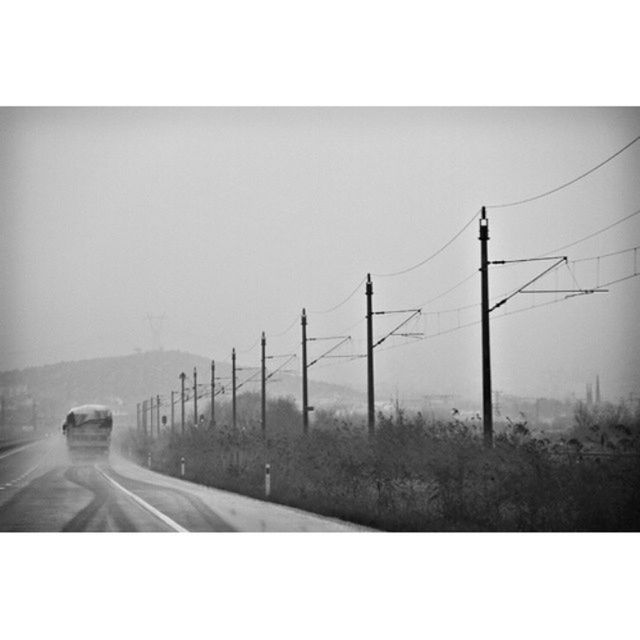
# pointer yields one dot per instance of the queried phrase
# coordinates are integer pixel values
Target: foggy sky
(229, 221)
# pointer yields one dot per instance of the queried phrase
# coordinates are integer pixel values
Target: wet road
(43, 489)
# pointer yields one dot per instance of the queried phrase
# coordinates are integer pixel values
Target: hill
(123, 381)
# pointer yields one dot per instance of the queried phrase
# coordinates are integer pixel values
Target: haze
(228, 221)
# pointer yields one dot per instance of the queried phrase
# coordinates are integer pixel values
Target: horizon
(196, 229)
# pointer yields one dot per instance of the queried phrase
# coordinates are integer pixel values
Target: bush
(415, 475)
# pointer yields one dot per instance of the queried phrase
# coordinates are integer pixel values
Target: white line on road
(30, 471)
(151, 509)
(24, 446)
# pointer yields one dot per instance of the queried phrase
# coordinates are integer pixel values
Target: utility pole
(213, 394)
(158, 415)
(151, 417)
(487, 409)
(195, 398)
(143, 411)
(138, 417)
(182, 376)
(305, 387)
(173, 411)
(233, 387)
(263, 400)
(371, 409)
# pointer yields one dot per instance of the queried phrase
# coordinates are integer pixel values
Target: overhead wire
(500, 315)
(455, 286)
(566, 184)
(592, 235)
(605, 255)
(430, 257)
(342, 302)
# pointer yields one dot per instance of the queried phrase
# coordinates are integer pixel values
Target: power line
(566, 184)
(605, 255)
(455, 286)
(273, 335)
(592, 235)
(337, 306)
(251, 348)
(502, 315)
(429, 258)
(289, 327)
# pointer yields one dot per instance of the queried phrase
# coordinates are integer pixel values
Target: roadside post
(149, 459)
(182, 466)
(267, 480)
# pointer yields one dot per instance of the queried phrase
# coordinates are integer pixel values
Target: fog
(227, 222)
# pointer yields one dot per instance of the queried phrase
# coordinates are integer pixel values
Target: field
(419, 475)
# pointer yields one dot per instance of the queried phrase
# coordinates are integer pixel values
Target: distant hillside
(123, 381)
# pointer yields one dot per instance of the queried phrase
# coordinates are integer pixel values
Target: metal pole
(173, 411)
(144, 416)
(213, 393)
(233, 387)
(151, 418)
(487, 408)
(371, 410)
(158, 415)
(138, 421)
(305, 388)
(263, 400)
(195, 397)
(267, 480)
(182, 377)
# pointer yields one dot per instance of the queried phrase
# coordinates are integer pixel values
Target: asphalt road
(42, 488)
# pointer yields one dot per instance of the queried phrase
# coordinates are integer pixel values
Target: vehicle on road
(88, 428)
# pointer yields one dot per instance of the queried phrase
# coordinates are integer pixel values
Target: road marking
(150, 508)
(24, 446)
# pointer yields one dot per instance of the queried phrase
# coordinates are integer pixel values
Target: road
(43, 489)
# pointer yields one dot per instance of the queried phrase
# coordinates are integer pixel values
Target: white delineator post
(267, 480)
(149, 460)
(182, 466)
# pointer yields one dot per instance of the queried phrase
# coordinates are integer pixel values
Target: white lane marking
(12, 451)
(22, 477)
(29, 471)
(150, 508)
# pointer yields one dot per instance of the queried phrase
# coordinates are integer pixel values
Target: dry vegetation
(415, 475)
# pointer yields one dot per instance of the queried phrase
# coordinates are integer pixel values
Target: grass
(418, 475)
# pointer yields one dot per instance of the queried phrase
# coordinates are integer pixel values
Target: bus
(89, 427)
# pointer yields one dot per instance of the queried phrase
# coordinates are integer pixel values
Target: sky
(226, 222)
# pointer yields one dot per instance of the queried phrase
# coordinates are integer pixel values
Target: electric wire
(566, 184)
(592, 235)
(429, 258)
(605, 255)
(337, 306)
(455, 286)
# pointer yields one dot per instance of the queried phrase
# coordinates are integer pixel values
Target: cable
(293, 324)
(592, 235)
(431, 257)
(251, 348)
(517, 291)
(455, 286)
(566, 184)
(608, 284)
(282, 366)
(273, 335)
(606, 255)
(337, 306)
